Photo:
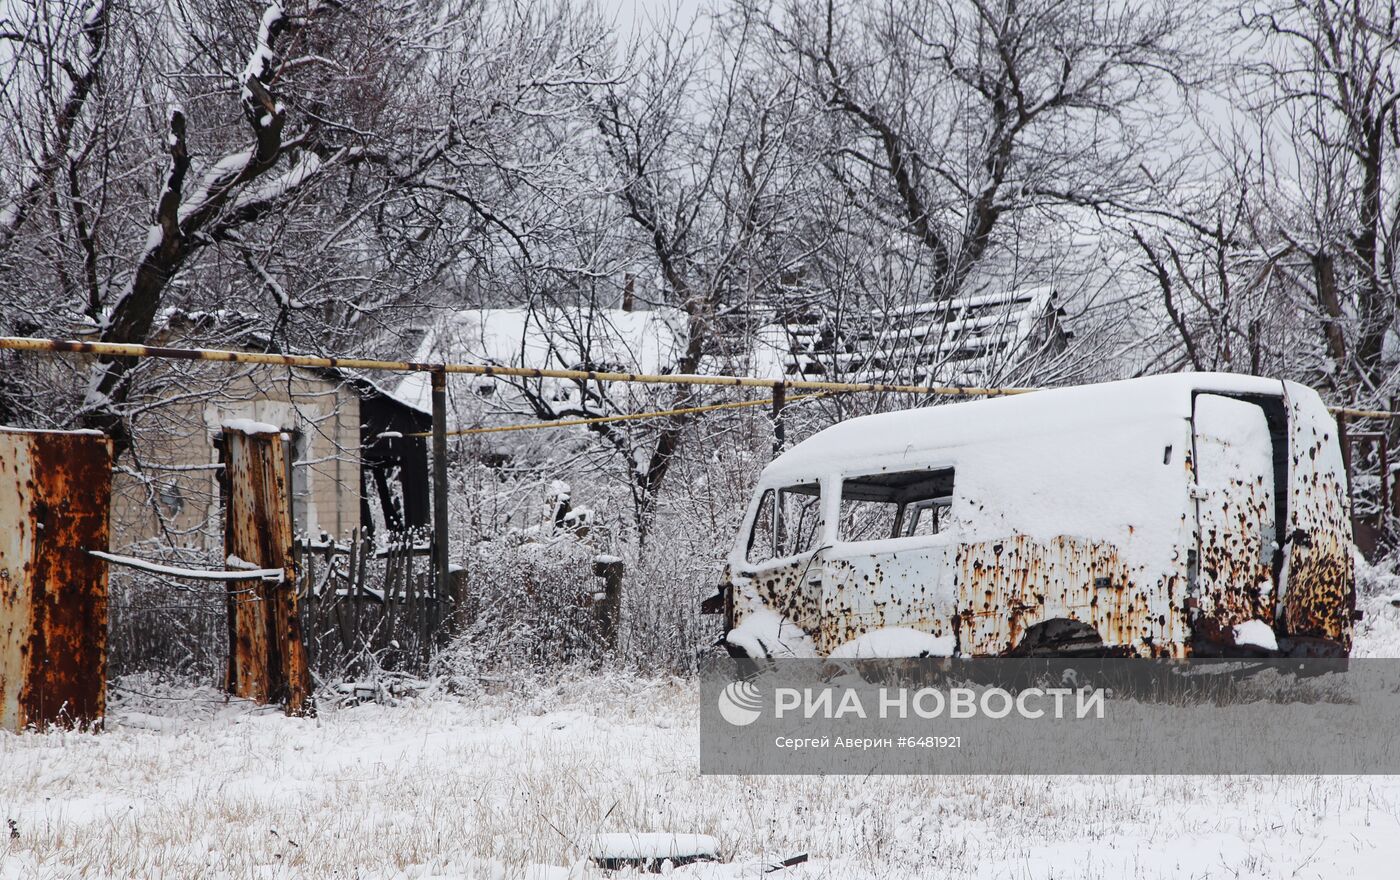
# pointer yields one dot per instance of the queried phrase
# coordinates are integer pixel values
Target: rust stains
(907, 589)
(1009, 585)
(267, 655)
(1322, 588)
(1236, 574)
(1319, 594)
(794, 591)
(985, 594)
(55, 491)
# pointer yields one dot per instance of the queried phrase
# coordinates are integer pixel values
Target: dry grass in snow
(184, 785)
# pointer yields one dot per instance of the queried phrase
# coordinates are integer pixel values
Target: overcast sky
(631, 15)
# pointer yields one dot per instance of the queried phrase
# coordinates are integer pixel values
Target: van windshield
(895, 505)
(787, 523)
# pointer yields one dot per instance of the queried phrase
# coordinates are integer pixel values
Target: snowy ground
(184, 785)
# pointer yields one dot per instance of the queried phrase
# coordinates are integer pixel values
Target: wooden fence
(369, 602)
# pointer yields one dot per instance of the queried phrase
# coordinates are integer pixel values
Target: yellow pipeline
(111, 349)
(123, 350)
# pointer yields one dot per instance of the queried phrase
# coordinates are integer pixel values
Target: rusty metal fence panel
(55, 492)
(267, 658)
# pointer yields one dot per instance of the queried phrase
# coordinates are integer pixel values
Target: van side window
(897, 505)
(787, 522)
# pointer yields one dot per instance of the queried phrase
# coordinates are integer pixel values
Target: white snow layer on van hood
(766, 633)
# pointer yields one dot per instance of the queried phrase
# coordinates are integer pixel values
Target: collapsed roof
(966, 340)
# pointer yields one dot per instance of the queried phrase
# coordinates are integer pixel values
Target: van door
(892, 562)
(1235, 517)
(1318, 593)
(780, 567)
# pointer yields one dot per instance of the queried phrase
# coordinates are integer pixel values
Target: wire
(122, 350)
(626, 417)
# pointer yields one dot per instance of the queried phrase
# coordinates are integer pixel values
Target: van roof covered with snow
(888, 437)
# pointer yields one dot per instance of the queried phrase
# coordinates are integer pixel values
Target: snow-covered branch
(83, 75)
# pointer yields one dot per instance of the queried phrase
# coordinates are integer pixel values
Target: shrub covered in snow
(529, 606)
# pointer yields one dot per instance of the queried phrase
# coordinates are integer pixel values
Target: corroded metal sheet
(1235, 507)
(986, 594)
(55, 493)
(1007, 586)
(792, 588)
(267, 656)
(1319, 579)
(911, 587)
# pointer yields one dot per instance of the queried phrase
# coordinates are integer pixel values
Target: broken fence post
(55, 498)
(457, 576)
(608, 610)
(443, 584)
(267, 656)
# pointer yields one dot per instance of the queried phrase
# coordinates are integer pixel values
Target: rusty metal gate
(267, 658)
(55, 491)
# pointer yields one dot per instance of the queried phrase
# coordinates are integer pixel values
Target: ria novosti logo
(740, 703)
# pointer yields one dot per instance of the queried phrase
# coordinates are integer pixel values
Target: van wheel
(1060, 637)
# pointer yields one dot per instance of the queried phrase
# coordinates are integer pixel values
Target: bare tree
(324, 164)
(697, 144)
(948, 117)
(1323, 84)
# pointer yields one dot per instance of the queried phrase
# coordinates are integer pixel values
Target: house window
(787, 522)
(898, 505)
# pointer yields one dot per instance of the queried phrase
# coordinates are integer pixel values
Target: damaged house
(573, 337)
(354, 466)
(976, 339)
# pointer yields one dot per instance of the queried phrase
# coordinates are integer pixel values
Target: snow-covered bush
(529, 606)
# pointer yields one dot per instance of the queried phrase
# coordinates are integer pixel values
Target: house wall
(167, 489)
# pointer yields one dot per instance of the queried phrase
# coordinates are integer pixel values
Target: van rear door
(1319, 581)
(1235, 513)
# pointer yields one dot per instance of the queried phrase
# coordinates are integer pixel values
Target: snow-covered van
(1195, 514)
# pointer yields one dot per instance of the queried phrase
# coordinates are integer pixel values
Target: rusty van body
(1170, 516)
